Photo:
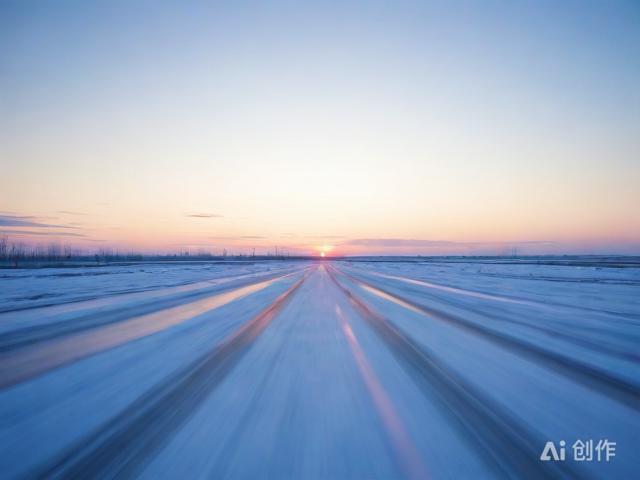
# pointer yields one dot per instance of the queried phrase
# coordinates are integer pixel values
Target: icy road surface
(318, 370)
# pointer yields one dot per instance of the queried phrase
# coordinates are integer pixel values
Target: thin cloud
(398, 242)
(27, 221)
(533, 242)
(328, 237)
(70, 212)
(241, 237)
(42, 234)
(203, 215)
(413, 242)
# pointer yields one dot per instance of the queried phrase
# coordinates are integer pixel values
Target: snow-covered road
(319, 370)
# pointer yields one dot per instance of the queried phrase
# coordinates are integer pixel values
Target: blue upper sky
(324, 124)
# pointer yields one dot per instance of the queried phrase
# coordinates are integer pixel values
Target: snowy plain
(328, 369)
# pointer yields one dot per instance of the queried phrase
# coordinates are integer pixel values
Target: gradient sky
(373, 127)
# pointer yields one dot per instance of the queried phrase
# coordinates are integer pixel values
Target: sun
(324, 249)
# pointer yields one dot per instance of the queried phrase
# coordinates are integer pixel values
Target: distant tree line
(18, 253)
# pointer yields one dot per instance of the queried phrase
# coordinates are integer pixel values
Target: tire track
(500, 298)
(121, 447)
(29, 362)
(579, 341)
(501, 440)
(617, 389)
(24, 337)
(250, 414)
(405, 451)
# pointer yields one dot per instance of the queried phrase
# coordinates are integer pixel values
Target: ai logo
(551, 453)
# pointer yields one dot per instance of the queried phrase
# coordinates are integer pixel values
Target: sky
(351, 128)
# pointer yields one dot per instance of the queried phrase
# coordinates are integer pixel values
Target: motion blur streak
(147, 423)
(402, 443)
(455, 290)
(32, 361)
(391, 298)
(319, 369)
(617, 388)
(501, 441)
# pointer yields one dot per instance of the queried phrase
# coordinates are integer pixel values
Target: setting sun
(324, 249)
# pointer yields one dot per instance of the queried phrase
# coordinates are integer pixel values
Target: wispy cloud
(27, 221)
(327, 237)
(398, 242)
(412, 242)
(204, 215)
(70, 212)
(188, 244)
(241, 237)
(40, 233)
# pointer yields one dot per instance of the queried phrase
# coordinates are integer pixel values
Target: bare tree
(17, 253)
(4, 247)
(54, 251)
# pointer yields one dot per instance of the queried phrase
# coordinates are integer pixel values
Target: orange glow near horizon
(400, 154)
(324, 249)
